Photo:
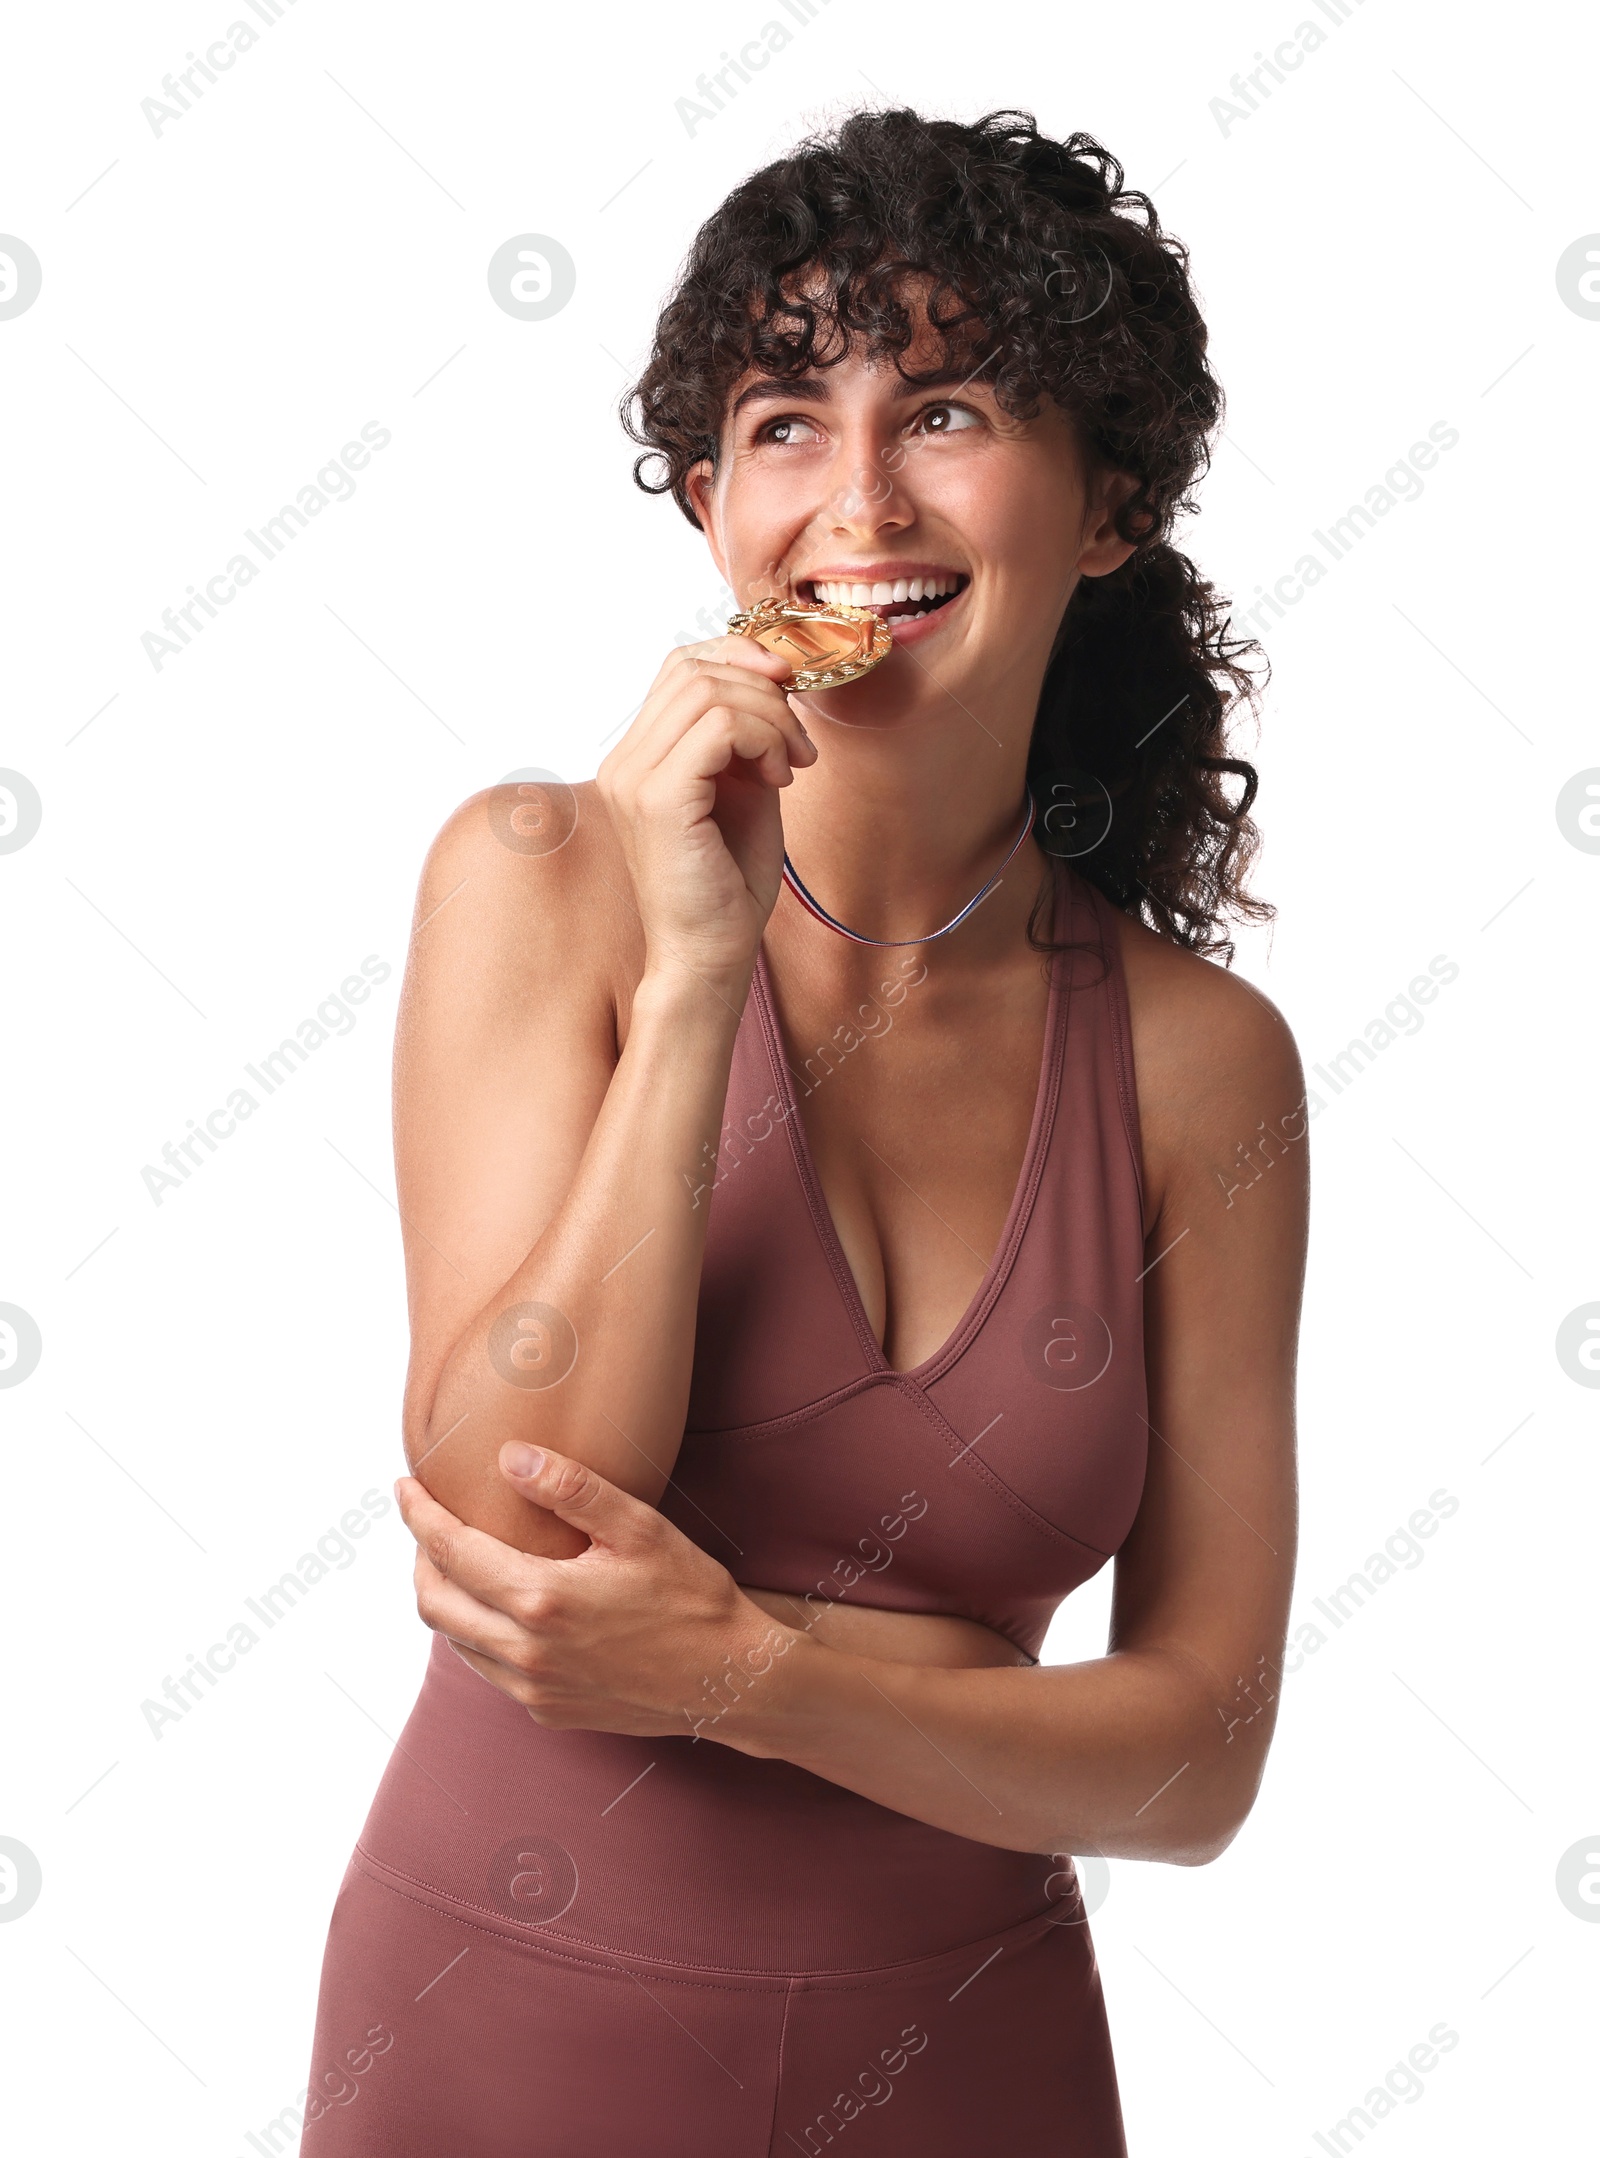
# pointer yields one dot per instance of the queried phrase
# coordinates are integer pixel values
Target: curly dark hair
(1030, 261)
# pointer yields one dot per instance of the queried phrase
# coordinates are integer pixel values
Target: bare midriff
(896, 1636)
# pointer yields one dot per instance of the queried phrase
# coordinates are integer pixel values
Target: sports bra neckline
(1018, 1214)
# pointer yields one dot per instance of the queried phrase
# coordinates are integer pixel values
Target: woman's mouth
(904, 599)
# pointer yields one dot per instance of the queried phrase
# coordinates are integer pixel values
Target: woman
(806, 1294)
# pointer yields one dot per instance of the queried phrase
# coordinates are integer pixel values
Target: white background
(226, 839)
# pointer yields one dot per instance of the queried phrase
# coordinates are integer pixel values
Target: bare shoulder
(1214, 1060)
(524, 903)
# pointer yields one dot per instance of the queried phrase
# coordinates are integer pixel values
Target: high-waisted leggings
(568, 1945)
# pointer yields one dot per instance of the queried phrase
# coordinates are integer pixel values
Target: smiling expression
(966, 529)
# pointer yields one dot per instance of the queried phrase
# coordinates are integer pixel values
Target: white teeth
(835, 592)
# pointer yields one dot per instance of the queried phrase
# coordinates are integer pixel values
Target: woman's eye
(947, 419)
(788, 427)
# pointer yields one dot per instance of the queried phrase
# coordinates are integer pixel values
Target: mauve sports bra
(994, 1477)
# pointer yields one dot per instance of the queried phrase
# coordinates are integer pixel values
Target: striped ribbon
(821, 914)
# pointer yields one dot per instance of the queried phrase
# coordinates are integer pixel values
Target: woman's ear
(698, 482)
(1104, 548)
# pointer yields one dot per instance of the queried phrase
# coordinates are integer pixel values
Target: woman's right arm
(548, 1182)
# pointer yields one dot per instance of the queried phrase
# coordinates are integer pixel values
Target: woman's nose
(867, 493)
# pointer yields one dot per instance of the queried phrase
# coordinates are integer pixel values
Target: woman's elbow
(1216, 1820)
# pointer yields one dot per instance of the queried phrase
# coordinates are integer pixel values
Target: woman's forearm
(1130, 1755)
(588, 1347)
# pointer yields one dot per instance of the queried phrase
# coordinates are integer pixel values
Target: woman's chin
(898, 695)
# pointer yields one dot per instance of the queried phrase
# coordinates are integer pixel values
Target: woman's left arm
(1154, 1750)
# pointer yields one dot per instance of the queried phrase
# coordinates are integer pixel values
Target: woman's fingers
(471, 1625)
(512, 1582)
(690, 792)
(699, 681)
(730, 651)
(724, 734)
(616, 1639)
(700, 697)
(570, 1489)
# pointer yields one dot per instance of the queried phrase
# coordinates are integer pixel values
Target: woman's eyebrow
(814, 389)
(789, 389)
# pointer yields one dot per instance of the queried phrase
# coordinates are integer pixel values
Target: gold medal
(824, 644)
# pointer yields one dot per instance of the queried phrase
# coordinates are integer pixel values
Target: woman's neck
(893, 841)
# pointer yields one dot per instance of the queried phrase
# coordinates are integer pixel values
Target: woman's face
(966, 529)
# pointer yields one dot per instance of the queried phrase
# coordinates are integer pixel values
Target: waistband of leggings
(548, 1941)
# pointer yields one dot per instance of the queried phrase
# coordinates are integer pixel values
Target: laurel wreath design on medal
(826, 644)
